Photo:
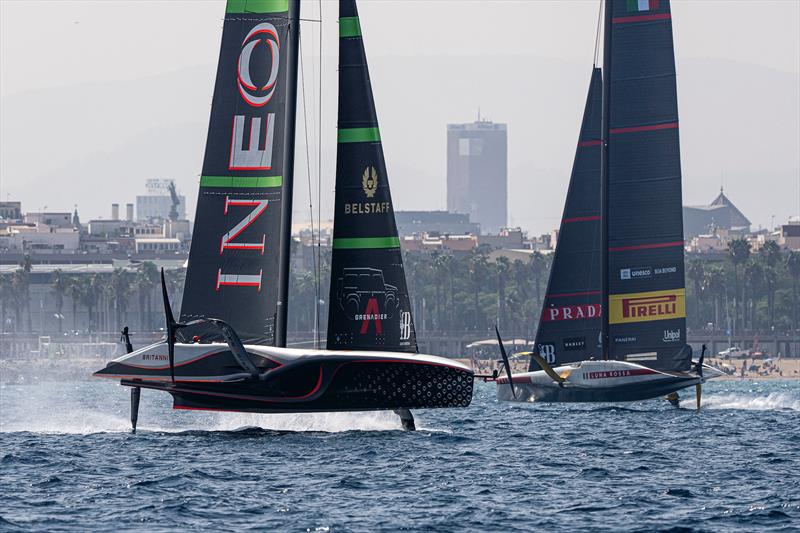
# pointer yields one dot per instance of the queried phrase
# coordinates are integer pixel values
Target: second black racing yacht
(613, 325)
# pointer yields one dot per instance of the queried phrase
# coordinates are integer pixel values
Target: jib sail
(569, 326)
(235, 257)
(368, 307)
(644, 269)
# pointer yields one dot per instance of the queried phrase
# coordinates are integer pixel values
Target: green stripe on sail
(257, 6)
(359, 135)
(349, 27)
(239, 181)
(351, 243)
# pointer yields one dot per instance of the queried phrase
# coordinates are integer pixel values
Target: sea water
(69, 462)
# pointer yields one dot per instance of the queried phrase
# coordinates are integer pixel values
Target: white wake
(774, 401)
(78, 409)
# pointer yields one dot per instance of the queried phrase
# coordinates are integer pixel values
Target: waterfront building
(439, 222)
(719, 214)
(157, 203)
(477, 175)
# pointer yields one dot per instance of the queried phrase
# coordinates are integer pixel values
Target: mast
(284, 271)
(604, 128)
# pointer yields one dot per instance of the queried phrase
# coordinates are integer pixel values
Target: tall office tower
(477, 178)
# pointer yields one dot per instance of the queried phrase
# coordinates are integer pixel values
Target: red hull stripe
(568, 294)
(187, 408)
(652, 127)
(589, 143)
(641, 18)
(608, 374)
(580, 219)
(646, 246)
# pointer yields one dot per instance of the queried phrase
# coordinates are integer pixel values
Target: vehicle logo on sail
(369, 181)
(364, 288)
(647, 306)
(253, 94)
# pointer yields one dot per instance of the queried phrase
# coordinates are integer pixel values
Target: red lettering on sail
(649, 307)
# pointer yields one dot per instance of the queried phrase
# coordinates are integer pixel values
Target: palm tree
(306, 284)
(146, 281)
(696, 272)
(770, 253)
(754, 276)
(739, 253)
(771, 282)
(478, 270)
(793, 264)
(75, 291)
(6, 294)
(121, 286)
(440, 268)
(538, 266)
(60, 287)
(714, 284)
(502, 268)
(20, 284)
(93, 287)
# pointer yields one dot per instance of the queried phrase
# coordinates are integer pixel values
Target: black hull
(329, 386)
(625, 393)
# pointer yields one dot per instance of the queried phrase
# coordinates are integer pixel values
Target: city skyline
(145, 113)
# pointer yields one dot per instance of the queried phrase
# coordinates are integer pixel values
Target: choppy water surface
(67, 461)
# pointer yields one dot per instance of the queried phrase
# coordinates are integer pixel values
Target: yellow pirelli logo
(646, 306)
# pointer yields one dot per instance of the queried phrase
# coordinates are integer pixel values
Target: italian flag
(642, 5)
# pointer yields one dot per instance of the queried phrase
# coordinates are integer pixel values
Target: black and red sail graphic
(569, 326)
(369, 307)
(646, 315)
(234, 258)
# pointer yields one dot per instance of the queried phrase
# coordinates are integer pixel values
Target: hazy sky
(96, 97)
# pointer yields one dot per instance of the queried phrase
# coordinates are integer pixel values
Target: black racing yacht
(613, 325)
(228, 352)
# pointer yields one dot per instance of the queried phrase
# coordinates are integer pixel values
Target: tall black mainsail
(643, 259)
(368, 307)
(569, 325)
(236, 272)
